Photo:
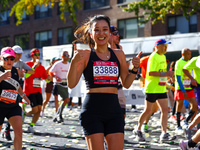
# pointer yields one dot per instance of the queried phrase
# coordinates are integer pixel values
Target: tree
(28, 6)
(156, 10)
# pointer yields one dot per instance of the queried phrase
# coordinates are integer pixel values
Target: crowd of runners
(106, 73)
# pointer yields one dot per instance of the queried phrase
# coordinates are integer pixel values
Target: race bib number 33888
(105, 72)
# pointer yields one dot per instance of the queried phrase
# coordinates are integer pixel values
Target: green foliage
(156, 10)
(5, 4)
(28, 6)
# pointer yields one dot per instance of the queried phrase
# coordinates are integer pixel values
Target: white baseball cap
(198, 62)
(17, 49)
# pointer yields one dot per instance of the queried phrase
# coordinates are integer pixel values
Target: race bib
(8, 96)
(36, 82)
(186, 82)
(105, 72)
(162, 81)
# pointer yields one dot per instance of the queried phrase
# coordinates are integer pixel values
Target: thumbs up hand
(136, 61)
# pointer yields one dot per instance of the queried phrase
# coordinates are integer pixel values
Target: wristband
(133, 72)
(23, 95)
(48, 81)
(163, 74)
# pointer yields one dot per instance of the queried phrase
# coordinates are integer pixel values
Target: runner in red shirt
(32, 87)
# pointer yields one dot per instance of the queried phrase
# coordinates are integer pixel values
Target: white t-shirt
(60, 70)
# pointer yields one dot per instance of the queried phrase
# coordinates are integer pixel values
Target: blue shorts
(9, 112)
(101, 113)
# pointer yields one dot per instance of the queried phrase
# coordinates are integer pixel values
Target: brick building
(45, 28)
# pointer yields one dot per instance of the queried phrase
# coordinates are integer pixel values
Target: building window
(25, 17)
(130, 28)
(4, 42)
(5, 18)
(22, 40)
(43, 39)
(42, 12)
(91, 4)
(179, 24)
(65, 36)
(125, 1)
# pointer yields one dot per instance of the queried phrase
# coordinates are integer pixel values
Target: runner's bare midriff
(103, 90)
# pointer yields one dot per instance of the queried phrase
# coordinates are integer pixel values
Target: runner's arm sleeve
(180, 83)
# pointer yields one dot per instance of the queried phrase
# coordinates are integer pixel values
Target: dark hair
(64, 52)
(83, 33)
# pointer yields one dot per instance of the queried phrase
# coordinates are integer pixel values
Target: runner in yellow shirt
(193, 64)
(183, 90)
(155, 89)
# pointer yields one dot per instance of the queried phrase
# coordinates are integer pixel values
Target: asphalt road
(69, 135)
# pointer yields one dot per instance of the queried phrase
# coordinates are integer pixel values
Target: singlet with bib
(8, 89)
(102, 73)
(156, 84)
(179, 71)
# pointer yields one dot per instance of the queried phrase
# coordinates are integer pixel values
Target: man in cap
(32, 87)
(22, 68)
(18, 63)
(193, 64)
(114, 38)
(155, 89)
(49, 87)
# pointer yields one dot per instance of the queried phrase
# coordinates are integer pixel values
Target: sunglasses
(115, 33)
(37, 54)
(66, 55)
(7, 58)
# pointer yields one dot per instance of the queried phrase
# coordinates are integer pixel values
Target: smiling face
(100, 32)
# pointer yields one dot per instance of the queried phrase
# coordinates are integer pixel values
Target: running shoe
(182, 117)
(179, 130)
(185, 125)
(139, 136)
(31, 130)
(6, 135)
(173, 118)
(188, 133)
(60, 119)
(55, 119)
(184, 146)
(166, 137)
